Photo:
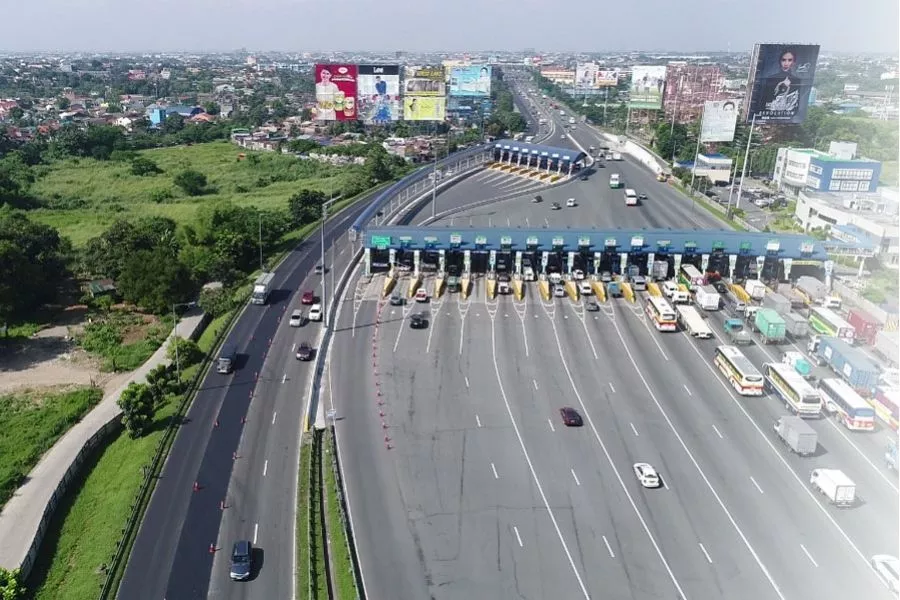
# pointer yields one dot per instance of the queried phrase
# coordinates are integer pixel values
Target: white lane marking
(809, 556)
(293, 348)
(494, 469)
(612, 388)
(612, 464)
(431, 328)
(467, 380)
(634, 430)
(400, 332)
(478, 420)
(519, 537)
(653, 337)
(284, 378)
(783, 461)
(534, 475)
(864, 457)
(265, 468)
(534, 382)
(665, 485)
(756, 484)
(462, 330)
(687, 390)
(255, 532)
(552, 428)
(575, 477)
(608, 547)
(718, 433)
(705, 553)
(274, 415)
(690, 455)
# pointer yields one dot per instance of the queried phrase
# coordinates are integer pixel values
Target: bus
(691, 276)
(661, 313)
(739, 371)
(887, 405)
(693, 322)
(827, 322)
(840, 399)
(799, 396)
(614, 181)
(630, 197)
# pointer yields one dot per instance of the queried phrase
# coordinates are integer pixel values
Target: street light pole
(175, 342)
(260, 242)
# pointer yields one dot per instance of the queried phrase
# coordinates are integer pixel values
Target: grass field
(85, 196)
(31, 425)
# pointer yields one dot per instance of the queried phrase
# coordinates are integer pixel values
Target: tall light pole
(325, 312)
(259, 215)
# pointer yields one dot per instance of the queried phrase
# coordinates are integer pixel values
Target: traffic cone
(212, 548)
(196, 487)
(216, 423)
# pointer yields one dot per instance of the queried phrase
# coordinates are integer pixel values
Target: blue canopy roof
(540, 150)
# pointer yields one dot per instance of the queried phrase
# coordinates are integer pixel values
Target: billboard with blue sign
(472, 81)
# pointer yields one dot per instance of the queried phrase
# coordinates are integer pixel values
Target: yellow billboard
(424, 108)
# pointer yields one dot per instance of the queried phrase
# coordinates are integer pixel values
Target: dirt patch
(138, 332)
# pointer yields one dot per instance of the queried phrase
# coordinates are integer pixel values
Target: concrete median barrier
(465, 286)
(599, 290)
(518, 289)
(544, 288)
(414, 284)
(491, 289)
(389, 283)
(683, 288)
(653, 289)
(572, 290)
(627, 291)
(438, 287)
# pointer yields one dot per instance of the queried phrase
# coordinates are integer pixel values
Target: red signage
(336, 92)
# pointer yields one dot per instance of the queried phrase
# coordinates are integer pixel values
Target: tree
(11, 587)
(216, 301)
(211, 108)
(189, 353)
(305, 206)
(63, 103)
(138, 408)
(143, 166)
(173, 123)
(105, 255)
(192, 182)
(153, 280)
(378, 164)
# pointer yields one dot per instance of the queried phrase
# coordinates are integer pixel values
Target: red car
(309, 297)
(570, 416)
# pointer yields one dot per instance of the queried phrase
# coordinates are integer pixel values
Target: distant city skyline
(866, 26)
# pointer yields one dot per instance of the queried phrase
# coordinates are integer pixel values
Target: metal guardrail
(345, 521)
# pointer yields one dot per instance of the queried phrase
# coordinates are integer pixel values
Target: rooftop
(539, 150)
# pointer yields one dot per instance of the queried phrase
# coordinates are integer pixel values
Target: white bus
(630, 197)
(842, 400)
(693, 322)
(827, 322)
(661, 313)
(799, 396)
(614, 181)
(739, 371)
(691, 276)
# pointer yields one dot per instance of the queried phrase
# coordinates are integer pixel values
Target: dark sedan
(570, 417)
(304, 351)
(418, 321)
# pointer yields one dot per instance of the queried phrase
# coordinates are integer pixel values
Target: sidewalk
(25, 517)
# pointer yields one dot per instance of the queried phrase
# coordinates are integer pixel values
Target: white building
(799, 169)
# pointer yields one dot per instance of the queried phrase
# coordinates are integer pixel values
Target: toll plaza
(658, 254)
(559, 161)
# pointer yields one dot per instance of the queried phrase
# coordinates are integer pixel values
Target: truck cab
(225, 363)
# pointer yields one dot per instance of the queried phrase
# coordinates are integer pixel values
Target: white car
(888, 569)
(296, 318)
(646, 475)
(570, 202)
(585, 288)
(421, 295)
(315, 312)
(559, 291)
(577, 274)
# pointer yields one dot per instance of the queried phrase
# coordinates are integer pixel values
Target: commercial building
(688, 87)
(798, 169)
(716, 167)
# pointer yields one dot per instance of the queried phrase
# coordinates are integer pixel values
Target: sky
(458, 25)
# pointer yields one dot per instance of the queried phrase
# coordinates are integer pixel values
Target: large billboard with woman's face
(781, 77)
(335, 92)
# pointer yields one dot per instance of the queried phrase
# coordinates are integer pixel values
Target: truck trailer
(797, 327)
(708, 298)
(865, 326)
(849, 363)
(777, 302)
(797, 435)
(887, 345)
(755, 288)
(770, 325)
(262, 288)
(834, 485)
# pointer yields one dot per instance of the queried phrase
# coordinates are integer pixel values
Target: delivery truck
(692, 322)
(777, 302)
(865, 326)
(755, 288)
(887, 346)
(770, 325)
(834, 485)
(737, 334)
(796, 326)
(262, 288)
(708, 298)
(850, 363)
(797, 435)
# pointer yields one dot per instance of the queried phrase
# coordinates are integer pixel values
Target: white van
(670, 290)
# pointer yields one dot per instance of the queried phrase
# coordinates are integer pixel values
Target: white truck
(834, 485)
(262, 288)
(708, 298)
(797, 435)
(755, 288)
(692, 321)
(617, 156)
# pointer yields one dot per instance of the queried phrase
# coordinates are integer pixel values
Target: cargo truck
(770, 325)
(262, 288)
(613, 289)
(693, 322)
(737, 335)
(660, 271)
(865, 326)
(227, 358)
(777, 302)
(797, 327)
(707, 298)
(755, 288)
(849, 363)
(887, 346)
(813, 289)
(834, 485)
(797, 435)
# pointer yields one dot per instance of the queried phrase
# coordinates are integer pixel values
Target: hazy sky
(416, 25)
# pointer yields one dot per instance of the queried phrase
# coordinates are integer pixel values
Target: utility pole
(259, 214)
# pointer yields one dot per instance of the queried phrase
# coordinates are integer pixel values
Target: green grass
(317, 539)
(31, 425)
(85, 196)
(105, 336)
(82, 535)
(341, 562)
(302, 527)
(890, 173)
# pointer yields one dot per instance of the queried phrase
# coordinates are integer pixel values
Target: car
(418, 321)
(642, 196)
(591, 306)
(315, 312)
(296, 318)
(888, 569)
(577, 274)
(304, 351)
(321, 269)
(537, 199)
(421, 295)
(570, 202)
(241, 560)
(646, 475)
(309, 297)
(396, 300)
(562, 137)
(585, 288)
(559, 291)
(605, 276)
(570, 417)
(555, 206)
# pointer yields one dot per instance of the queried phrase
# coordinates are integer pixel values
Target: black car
(241, 560)
(584, 178)
(642, 196)
(418, 321)
(570, 416)
(537, 199)
(304, 351)
(321, 269)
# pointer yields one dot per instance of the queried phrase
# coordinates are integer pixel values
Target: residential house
(157, 114)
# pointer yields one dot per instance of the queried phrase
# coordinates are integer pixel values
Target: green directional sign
(610, 242)
(480, 240)
(690, 245)
(773, 246)
(531, 241)
(405, 240)
(381, 241)
(455, 239)
(584, 241)
(506, 241)
(637, 242)
(663, 243)
(430, 240)
(718, 245)
(746, 246)
(558, 242)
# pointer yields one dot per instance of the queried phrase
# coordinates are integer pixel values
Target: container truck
(834, 485)
(865, 325)
(813, 289)
(733, 302)
(796, 298)
(755, 288)
(707, 298)
(227, 358)
(262, 288)
(770, 325)
(777, 302)
(849, 363)
(798, 361)
(887, 345)
(797, 326)
(797, 435)
(737, 335)
(660, 271)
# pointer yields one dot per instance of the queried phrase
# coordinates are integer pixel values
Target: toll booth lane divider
(572, 290)
(683, 288)
(599, 290)
(389, 282)
(544, 287)
(465, 286)
(414, 284)
(627, 291)
(438, 287)
(518, 288)
(491, 288)
(653, 289)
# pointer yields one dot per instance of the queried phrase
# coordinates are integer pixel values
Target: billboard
(607, 77)
(781, 78)
(424, 81)
(647, 83)
(473, 81)
(335, 92)
(378, 94)
(719, 121)
(585, 75)
(424, 108)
